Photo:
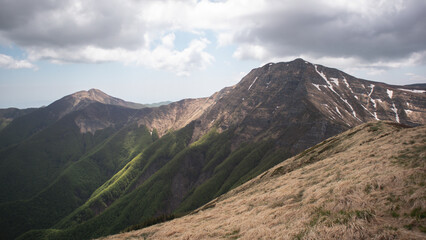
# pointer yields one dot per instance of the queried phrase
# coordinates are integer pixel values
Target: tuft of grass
(368, 188)
(394, 214)
(233, 235)
(418, 213)
(319, 215)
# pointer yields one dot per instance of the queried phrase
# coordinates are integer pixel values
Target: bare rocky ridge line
(341, 98)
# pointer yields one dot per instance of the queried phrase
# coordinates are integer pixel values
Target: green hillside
(170, 176)
(51, 173)
(75, 184)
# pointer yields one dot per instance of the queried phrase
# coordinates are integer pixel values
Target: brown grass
(367, 183)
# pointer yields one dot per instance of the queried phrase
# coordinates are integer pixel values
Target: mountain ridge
(201, 148)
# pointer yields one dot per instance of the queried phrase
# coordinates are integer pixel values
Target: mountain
(32, 123)
(366, 183)
(295, 89)
(174, 158)
(71, 146)
(81, 99)
(7, 115)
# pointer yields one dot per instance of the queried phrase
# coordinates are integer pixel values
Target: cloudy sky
(151, 51)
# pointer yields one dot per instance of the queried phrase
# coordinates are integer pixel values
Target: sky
(152, 51)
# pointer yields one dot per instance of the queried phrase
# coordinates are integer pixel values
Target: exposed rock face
(361, 101)
(308, 103)
(82, 99)
(175, 115)
(98, 116)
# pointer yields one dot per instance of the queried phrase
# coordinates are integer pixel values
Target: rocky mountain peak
(91, 95)
(302, 95)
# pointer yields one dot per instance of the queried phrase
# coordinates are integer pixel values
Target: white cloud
(162, 57)
(168, 40)
(251, 51)
(357, 34)
(416, 78)
(11, 63)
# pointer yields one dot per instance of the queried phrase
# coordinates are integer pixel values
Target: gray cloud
(378, 33)
(318, 29)
(45, 23)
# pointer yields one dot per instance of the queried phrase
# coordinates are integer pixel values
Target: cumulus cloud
(11, 63)
(370, 31)
(92, 32)
(364, 33)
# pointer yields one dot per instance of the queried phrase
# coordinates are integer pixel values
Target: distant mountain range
(90, 165)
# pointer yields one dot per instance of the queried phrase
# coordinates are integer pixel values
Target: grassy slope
(4, 122)
(75, 184)
(169, 186)
(25, 126)
(367, 183)
(135, 204)
(141, 166)
(8, 114)
(33, 164)
(29, 167)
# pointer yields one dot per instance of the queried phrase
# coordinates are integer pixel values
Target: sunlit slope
(365, 183)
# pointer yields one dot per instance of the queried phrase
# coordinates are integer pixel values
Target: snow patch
(328, 108)
(337, 110)
(372, 89)
(317, 86)
(335, 81)
(350, 106)
(390, 93)
(252, 83)
(395, 110)
(375, 116)
(367, 110)
(374, 103)
(332, 89)
(407, 111)
(321, 74)
(412, 90)
(369, 96)
(348, 86)
(356, 97)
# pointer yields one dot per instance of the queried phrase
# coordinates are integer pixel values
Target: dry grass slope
(367, 183)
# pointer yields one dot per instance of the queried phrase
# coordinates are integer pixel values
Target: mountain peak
(92, 94)
(295, 61)
(299, 60)
(97, 91)
(81, 99)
